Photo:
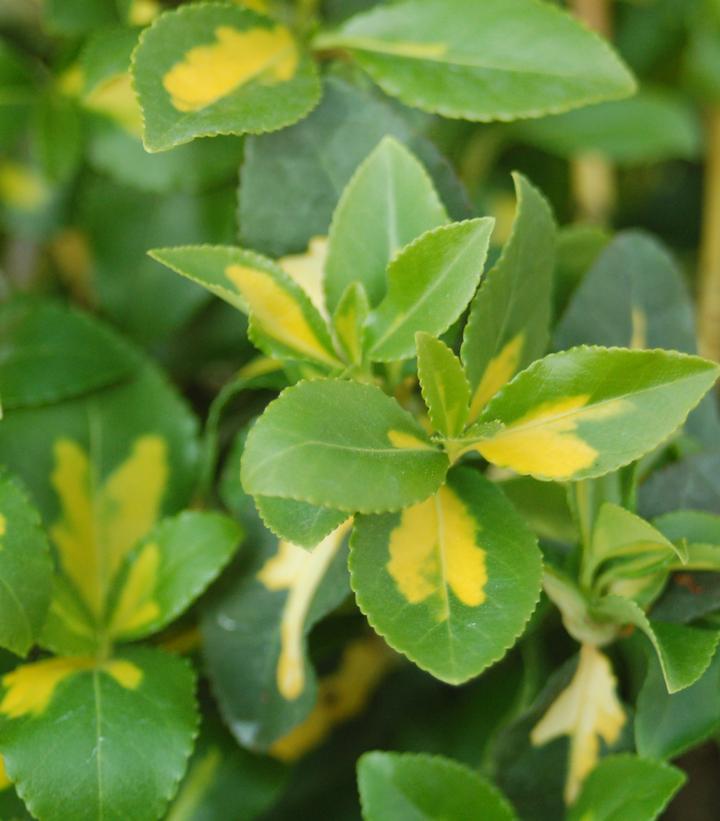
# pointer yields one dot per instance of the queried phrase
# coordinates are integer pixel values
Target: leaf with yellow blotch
(588, 411)
(127, 719)
(218, 68)
(25, 569)
(284, 322)
(587, 710)
(265, 613)
(509, 322)
(451, 581)
(168, 570)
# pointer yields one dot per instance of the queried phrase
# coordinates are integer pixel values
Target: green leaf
(388, 203)
(495, 60)
(409, 787)
(691, 483)
(168, 570)
(283, 320)
(341, 444)
(577, 248)
(667, 725)
(25, 569)
(509, 322)
(652, 126)
(297, 522)
(219, 69)
(430, 282)
(102, 469)
(544, 507)
(450, 582)
(444, 385)
(128, 730)
(58, 137)
(78, 16)
(684, 652)
(349, 322)
(625, 786)
(588, 411)
(264, 612)
(690, 526)
(291, 180)
(49, 353)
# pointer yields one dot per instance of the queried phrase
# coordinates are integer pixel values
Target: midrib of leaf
(98, 742)
(403, 318)
(443, 571)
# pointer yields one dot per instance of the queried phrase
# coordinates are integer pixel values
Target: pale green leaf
(444, 385)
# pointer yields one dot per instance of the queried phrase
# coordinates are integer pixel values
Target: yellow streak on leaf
(135, 607)
(30, 688)
(3, 525)
(499, 371)
(407, 441)
(5, 782)
(308, 270)
(100, 524)
(277, 313)
(434, 548)
(639, 329)
(341, 695)
(115, 98)
(420, 51)
(587, 710)
(208, 73)
(300, 572)
(544, 442)
(22, 187)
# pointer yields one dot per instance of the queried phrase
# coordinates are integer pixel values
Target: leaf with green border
(341, 444)
(25, 569)
(444, 386)
(412, 787)
(283, 320)
(684, 651)
(263, 611)
(298, 522)
(291, 180)
(388, 203)
(129, 725)
(625, 786)
(225, 781)
(588, 411)
(348, 322)
(430, 282)
(655, 125)
(168, 570)
(667, 725)
(219, 69)
(450, 582)
(495, 60)
(509, 322)
(49, 353)
(103, 469)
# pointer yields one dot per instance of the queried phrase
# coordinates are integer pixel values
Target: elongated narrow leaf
(389, 201)
(495, 60)
(625, 786)
(298, 522)
(265, 614)
(588, 411)
(430, 282)
(451, 581)
(349, 322)
(509, 322)
(219, 68)
(49, 353)
(684, 652)
(129, 720)
(408, 787)
(25, 569)
(341, 444)
(444, 385)
(168, 570)
(283, 320)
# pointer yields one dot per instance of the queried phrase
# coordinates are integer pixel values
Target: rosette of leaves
(441, 564)
(109, 458)
(234, 68)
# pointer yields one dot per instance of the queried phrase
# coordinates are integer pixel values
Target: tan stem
(709, 273)
(592, 176)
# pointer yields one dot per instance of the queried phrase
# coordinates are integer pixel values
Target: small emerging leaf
(349, 322)
(444, 385)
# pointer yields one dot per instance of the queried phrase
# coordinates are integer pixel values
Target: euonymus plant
(446, 544)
